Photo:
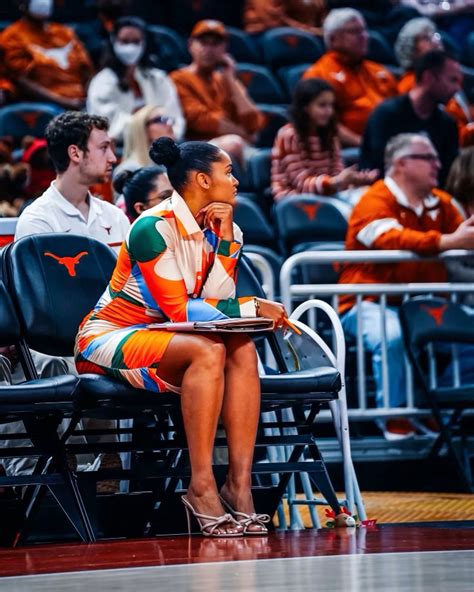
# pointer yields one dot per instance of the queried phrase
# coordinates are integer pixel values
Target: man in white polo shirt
(80, 149)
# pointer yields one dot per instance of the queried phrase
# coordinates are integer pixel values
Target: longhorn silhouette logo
(30, 118)
(309, 209)
(108, 229)
(436, 312)
(68, 262)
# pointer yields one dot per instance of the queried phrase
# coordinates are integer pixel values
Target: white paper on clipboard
(240, 325)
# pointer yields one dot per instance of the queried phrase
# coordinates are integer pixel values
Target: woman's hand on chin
(219, 217)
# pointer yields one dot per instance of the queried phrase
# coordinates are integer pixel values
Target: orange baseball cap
(209, 27)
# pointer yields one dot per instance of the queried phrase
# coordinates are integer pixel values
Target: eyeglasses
(359, 31)
(427, 157)
(163, 119)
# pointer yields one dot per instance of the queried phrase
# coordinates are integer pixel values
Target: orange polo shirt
(462, 115)
(359, 89)
(383, 219)
(206, 101)
(51, 56)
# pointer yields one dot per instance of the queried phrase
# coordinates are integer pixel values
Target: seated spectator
(415, 39)
(80, 149)
(402, 211)
(360, 84)
(145, 126)
(261, 15)
(438, 78)
(215, 103)
(45, 61)
(306, 155)
(143, 189)
(385, 16)
(129, 81)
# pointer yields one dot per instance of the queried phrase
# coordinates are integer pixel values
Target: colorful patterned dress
(168, 269)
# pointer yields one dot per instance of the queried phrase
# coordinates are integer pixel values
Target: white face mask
(129, 53)
(41, 9)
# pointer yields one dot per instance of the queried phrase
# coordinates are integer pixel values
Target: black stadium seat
(290, 75)
(26, 119)
(261, 85)
(170, 47)
(41, 405)
(285, 46)
(242, 46)
(380, 50)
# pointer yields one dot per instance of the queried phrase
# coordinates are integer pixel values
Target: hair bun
(165, 151)
(121, 179)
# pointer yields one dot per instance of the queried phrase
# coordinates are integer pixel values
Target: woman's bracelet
(257, 306)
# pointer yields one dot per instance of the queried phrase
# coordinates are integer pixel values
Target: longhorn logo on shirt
(310, 209)
(108, 228)
(436, 312)
(68, 262)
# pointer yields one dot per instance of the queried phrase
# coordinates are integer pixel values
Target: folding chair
(52, 294)
(41, 405)
(434, 327)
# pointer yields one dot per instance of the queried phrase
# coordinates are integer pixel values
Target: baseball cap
(209, 27)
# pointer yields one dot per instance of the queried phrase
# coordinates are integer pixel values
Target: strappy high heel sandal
(247, 520)
(209, 524)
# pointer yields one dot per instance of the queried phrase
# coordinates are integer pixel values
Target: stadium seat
(261, 85)
(65, 12)
(450, 44)
(41, 405)
(250, 218)
(305, 220)
(277, 116)
(4, 25)
(26, 119)
(468, 57)
(44, 288)
(380, 50)
(170, 47)
(468, 82)
(259, 170)
(434, 325)
(242, 47)
(285, 46)
(289, 77)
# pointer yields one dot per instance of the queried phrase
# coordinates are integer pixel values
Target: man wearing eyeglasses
(359, 84)
(438, 78)
(403, 211)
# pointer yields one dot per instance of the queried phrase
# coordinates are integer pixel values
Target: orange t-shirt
(51, 56)
(359, 89)
(206, 101)
(453, 107)
(381, 221)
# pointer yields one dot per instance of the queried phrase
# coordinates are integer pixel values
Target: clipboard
(240, 325)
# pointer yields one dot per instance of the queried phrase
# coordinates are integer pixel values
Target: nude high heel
(246, 520)
(209, 524)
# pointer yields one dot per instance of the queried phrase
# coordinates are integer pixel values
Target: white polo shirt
(52, 212)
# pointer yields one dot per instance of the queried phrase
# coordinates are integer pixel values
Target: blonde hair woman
(145, 126)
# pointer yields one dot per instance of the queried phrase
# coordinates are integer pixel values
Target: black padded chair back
(249, 216)
(426, 320)
(309, 219)
(247, 281)
(55, 280)
(9, 324)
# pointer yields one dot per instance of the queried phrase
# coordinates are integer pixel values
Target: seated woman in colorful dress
(179, 263)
